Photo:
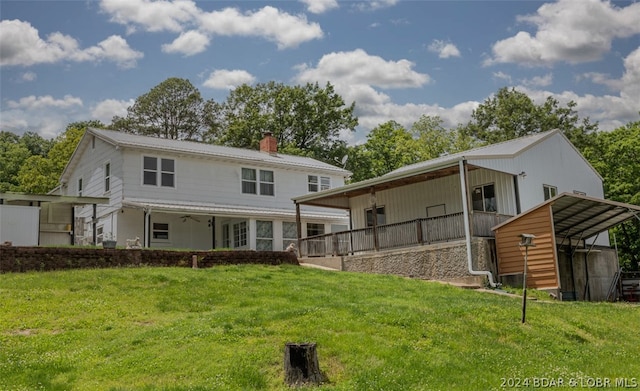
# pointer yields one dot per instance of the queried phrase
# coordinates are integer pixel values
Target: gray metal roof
(505, 149)
(581, 217)
(196, 148)
(227, 210)
(338, 197)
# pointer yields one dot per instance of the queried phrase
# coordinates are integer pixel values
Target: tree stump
(301, 364)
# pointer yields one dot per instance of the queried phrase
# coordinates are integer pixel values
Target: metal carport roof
(580, 216)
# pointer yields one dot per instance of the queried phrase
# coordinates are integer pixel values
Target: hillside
(225, 328)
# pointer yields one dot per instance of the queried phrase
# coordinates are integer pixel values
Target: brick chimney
(269, 144)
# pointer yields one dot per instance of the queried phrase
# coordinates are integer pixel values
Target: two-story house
(181, 194)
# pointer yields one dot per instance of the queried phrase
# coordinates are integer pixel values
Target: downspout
(467, 228)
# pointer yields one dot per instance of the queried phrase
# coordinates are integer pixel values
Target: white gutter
(467, 228)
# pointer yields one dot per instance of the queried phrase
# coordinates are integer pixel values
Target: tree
(13, 154)
(40, 174)
(306, 120)
(511, 114)
(389, 146)
(434, 140)
(616, 156)
(173, 109)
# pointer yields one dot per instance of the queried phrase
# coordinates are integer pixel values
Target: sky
(72, 60)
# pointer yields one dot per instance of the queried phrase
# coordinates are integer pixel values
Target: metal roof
(247, 156)
(430, 169)
(578, 216)
(226, 210)
(54, 199)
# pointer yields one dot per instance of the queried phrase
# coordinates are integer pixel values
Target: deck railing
(404, 234)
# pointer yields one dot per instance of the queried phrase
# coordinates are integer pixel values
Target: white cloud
(539, 81)
(20, 44)
(151, 15)
(376, 4)
(224, 79)
(502, 76)
(105, 110)
(45, 115)
(444, 49)
(320, 6)
(568, 31)
(285, 30)
(359, 67)
(39, 102)
(29, 76)
(189, 43)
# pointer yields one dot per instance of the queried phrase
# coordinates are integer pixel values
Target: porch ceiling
(577, 216)
(339, 197)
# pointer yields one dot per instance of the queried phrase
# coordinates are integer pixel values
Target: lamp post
(526, 242)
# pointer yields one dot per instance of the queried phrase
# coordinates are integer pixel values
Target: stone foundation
(443, 261)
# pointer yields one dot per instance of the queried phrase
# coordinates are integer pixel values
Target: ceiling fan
(185, 217)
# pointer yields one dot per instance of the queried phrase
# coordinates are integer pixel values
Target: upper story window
(107, 177)
(318, 183)
(484, 198)
(549, 191)
(250, 181)
(80, 187)
(158, 171)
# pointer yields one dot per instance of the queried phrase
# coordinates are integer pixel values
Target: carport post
(527, 241)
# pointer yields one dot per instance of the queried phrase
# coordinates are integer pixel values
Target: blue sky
(66, 61)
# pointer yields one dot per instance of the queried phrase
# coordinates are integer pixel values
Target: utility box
(19, 225)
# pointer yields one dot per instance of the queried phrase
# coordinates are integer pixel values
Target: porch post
(374, 213)
(94, 224)
(146, 230)
(298, 229)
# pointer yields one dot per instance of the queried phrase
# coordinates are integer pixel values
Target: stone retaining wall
(443, 261)
(22, 259)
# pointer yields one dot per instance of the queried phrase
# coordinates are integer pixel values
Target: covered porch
(412, 208)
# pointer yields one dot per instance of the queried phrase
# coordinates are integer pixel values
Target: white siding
(19, 225)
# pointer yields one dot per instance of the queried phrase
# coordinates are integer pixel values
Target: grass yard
(225, 328)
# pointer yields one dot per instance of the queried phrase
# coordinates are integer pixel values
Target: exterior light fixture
(526, 242)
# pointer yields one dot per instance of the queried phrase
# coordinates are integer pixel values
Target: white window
(264, 235)
(289, 233)
(80, 187)
(107, 177)
(158, 171)
(549, 191)
(160, 231)
(318, 183)
(381, 217)
(484, 198)
(240, 234)
(250, 182)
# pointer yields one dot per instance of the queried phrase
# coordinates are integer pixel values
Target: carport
(565, 259)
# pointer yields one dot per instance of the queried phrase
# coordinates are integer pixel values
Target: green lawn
(225, 328)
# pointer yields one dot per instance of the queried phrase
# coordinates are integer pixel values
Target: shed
(566, 222)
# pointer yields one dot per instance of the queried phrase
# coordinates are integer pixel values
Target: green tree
(40, 174)
(389, 146)
(434, 140)
(511, 114)
(306, 120)
(616, 156)
(173, 109)
(13, 155)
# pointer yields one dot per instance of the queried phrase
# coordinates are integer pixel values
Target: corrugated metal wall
(542, 269)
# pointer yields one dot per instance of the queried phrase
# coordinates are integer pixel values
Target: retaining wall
(22, 259)
(443, 261)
